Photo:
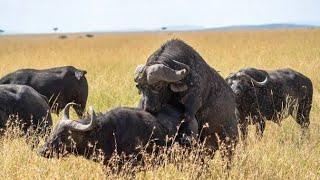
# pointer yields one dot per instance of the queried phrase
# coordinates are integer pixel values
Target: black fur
(31, 107)
(60, 85)
(209, 99)
(284, 86)
(121, 129)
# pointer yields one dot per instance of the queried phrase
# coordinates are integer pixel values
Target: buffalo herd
(181, 96)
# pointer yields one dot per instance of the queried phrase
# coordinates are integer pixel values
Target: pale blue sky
(32, 16)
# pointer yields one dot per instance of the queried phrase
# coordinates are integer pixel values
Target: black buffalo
(121, 129)
(60, 85)
(271, 95)
(29, 107)
(176, 74)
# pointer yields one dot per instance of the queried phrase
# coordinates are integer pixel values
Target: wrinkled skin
(31, 107)
(60, 85)
(205, 98)
(268, 101)
(153, 94)
(129, 128)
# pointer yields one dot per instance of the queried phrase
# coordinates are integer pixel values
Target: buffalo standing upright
(176, 74)
(60, 85)
(271, 95)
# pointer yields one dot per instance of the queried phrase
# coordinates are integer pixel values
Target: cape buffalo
(121, 129)
(176, 74)
(271, 95)
(31, 107)
(60, 85)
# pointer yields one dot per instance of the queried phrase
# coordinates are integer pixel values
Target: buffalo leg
(244, 130)
(226, 147)
(260, 126)
(81, 99)
(191, 103)
(225, 141)
(82, 105)
(302, 118)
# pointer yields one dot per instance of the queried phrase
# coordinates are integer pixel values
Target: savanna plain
(110, 60)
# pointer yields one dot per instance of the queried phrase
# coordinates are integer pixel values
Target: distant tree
(63, 37)
(89, 35)
(164, 28)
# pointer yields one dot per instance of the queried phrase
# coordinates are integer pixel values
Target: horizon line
(176, 28)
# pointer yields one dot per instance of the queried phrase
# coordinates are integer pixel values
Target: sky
(41, 16)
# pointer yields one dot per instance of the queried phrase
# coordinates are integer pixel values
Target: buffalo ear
(178, 87)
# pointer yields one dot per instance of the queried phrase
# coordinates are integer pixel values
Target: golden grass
(110, 60)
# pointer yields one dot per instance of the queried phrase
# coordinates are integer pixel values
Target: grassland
(110, 60)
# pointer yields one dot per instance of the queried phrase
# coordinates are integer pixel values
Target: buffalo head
(241, 83)
(158, 82)
(68, 135)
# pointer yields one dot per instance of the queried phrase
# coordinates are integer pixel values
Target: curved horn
(67, 109)
(82, 127)
(262, 83)
(182, 65)
(255, 82)
(160, 72)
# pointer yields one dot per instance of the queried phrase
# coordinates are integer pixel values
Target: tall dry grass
(110, 60)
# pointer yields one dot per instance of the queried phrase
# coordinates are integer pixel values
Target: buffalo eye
(157, 87)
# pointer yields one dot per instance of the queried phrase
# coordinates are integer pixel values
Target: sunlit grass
(110, 60)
